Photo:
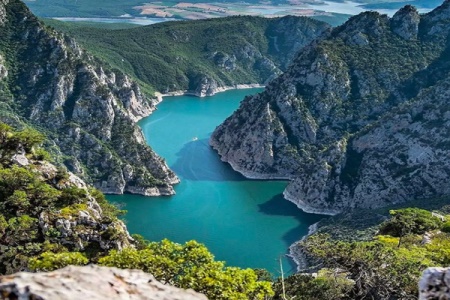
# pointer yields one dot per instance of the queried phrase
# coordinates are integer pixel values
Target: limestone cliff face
(88, 111)
(358, 120)
(90, 282)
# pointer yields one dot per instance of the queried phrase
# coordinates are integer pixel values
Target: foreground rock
(353, 123)
(435, 284)
(90, 282)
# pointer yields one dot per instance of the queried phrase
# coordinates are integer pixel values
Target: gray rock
(3, 69)
(206, 87)
(435, 284)
(90, 282)
(20, 159)
(405, 22)
(3, 3)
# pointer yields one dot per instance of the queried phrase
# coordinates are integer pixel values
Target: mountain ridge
(88, 111)
(200, 57)
(303, 126)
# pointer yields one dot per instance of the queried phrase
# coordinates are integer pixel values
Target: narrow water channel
(246, 223)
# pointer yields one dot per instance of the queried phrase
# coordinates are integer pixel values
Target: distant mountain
(359, 120)
(88, 111)
(200, 56)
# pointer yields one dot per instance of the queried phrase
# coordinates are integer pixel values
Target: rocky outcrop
(405, 22)
(205, 87)
(353, 123)
(435, 284)
(90, 282)
(88, 111)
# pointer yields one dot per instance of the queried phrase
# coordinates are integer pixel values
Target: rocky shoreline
(306, 208)
(297, 255)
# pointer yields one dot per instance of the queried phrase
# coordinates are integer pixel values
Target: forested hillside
(200, 56)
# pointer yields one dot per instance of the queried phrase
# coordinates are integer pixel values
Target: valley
(351, 121)
(233, 216)
(199, 57)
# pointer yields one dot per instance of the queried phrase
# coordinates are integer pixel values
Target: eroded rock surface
(90, 282)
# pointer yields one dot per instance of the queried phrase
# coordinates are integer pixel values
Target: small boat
(195, 138)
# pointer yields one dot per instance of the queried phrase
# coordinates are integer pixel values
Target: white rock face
(3, 70)
(90, 282)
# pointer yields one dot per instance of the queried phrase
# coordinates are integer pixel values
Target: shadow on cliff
(279, 206)
(198, 161)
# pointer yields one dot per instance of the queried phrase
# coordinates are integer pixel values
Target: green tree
(409, 221)
(379, 270)
(191, 265)
(23, 228)
(326, 284)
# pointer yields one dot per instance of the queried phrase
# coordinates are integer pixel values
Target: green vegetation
(49, 261)
(191, 266)
(389, 265)
(106, 140)
(410, 221)
(36, 198)
(178, 55)
(382, 268)
(328, 284)
(44, 219)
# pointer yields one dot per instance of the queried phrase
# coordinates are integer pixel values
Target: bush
(192, 266)
(446, 227)
(49, 261)
(410, 221)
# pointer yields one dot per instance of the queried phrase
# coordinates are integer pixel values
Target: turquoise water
(246, 223)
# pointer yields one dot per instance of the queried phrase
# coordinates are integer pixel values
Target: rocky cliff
(89, 112)
(357, 121)
(91, 282)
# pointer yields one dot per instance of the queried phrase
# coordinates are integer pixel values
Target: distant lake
(137, 21)
(246, 223)
(354, 8)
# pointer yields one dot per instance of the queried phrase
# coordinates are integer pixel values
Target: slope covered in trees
(203, 54)
(387, 266)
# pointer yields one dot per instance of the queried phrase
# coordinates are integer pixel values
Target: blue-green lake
(246, 223)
